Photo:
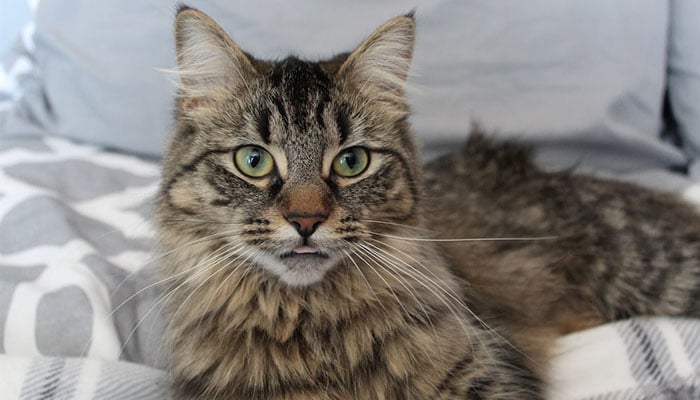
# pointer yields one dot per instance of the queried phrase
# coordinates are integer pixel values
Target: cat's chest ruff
(286, 343)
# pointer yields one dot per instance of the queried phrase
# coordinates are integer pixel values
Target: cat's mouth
(304, 252)
(303, 265)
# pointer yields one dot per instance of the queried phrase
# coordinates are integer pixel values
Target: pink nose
(306, 224)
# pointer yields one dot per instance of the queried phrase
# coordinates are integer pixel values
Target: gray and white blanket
(80, 311)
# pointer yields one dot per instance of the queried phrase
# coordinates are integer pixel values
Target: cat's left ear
(380, 65)
(207, 59)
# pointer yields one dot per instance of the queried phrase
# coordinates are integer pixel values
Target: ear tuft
(207, 59)
(380, 65)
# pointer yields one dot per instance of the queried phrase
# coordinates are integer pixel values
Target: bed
(84, 116)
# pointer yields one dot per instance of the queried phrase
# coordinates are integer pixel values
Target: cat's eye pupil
(350, 160)
(254, 158)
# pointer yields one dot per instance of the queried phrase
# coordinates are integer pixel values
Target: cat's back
(495, 186)
(560, 249)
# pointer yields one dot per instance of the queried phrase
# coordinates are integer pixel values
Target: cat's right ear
(380, 65)
(208, 61)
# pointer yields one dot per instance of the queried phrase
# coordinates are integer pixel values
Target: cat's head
(288, 164)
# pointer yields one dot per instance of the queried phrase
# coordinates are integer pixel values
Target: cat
(309, 255)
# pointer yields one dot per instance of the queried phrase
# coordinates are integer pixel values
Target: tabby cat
(309, 255)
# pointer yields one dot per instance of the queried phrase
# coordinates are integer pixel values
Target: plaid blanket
(647, 359)
(79, 313)
(50, 378)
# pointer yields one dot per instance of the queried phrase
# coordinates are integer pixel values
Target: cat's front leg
(497, 371)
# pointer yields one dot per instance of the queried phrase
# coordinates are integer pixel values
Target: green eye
(253, 161)
(351, 162)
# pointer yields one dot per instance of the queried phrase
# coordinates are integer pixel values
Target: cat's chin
(298, 270)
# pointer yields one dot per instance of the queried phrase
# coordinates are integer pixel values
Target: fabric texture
(581, 80)
(655, 359)
(75, 242)
(684, 76)
(51, 378)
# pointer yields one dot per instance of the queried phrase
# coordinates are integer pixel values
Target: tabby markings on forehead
(343, 123)
(302, 83)
(263, 124)
(279, 104)
(320, 108)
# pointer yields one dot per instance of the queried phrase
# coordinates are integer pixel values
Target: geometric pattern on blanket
(74, 238)
(80, 314)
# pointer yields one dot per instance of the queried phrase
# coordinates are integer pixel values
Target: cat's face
(289, 164)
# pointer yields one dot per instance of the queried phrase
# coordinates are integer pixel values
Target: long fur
(441, 282)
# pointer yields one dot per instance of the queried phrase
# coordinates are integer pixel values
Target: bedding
(80, 312)
(684, 76)
(74, 244)
(50, 378)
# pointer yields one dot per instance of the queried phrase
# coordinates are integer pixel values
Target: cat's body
(609, 250)
(297, 231)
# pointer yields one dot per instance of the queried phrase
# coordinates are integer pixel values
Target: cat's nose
(306, 224)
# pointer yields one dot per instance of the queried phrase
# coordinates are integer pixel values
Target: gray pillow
(684, 76)
(583, 80)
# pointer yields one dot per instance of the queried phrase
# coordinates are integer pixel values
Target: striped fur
(376, 311)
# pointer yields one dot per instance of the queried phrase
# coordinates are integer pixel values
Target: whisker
(171, 277)
(203, 221)
(484, 239)
(454, 296)
(359, 270)
(247, 252)
(383, 261)
(398, 224)
(391, 290)
(164, 254)
(210, 262)
(388, 265)
(87, 345)
(448, 302)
